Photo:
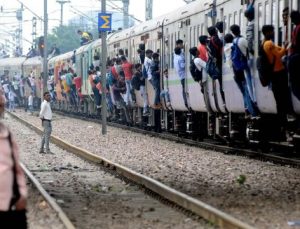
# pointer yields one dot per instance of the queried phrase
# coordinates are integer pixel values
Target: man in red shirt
(127, 69)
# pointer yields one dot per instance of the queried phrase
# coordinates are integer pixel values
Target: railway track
(282, 158)
(36, 189)
(173, 197)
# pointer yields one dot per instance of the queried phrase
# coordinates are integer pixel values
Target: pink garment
(6, 170)
(203, 52)
(127, 68)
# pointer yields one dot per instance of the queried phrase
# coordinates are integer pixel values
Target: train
(187, 23)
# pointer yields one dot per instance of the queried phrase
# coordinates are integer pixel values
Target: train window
(229, 20)
(221, 13)
(267, 14)
(274, 4)
(281, 7)
(191, 33)
(195, 35)
(225, 24)
(241, 22)
(202, 29)
(235, 19)
(260, 22)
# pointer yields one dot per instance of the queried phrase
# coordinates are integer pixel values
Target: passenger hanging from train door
(146, 72)
(120, 88)
(203, 55)
(93, 82)
(219, 27)
(179, 65)
(155, 81)
(214, 63)
(279, 79)
(138, 83)
(196, 66)
(284, 31)
(239, 58)
(128, 72)
(165, 92)
(239, 78)
(249, 14)
(294, 55)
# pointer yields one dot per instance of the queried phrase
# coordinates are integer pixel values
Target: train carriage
(159, 35)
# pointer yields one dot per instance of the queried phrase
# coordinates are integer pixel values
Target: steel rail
(200, 208)
(62, 216)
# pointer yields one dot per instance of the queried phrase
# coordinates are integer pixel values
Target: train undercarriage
(262, 133)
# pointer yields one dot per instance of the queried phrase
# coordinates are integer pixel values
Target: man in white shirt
(46, 116)
(147, 63)
(244, 81)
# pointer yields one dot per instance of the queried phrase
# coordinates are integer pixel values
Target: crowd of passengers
(232, 49)
(15, 93)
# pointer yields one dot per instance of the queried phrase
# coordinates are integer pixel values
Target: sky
(9, 23)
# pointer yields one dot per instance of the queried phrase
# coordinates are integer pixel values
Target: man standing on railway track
(46, 116)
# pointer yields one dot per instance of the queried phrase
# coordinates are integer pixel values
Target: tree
(65, 38)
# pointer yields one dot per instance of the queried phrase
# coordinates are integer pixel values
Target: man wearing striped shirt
(46, 116)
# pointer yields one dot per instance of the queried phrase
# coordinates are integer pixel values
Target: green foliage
(65, 38)
(241, 179)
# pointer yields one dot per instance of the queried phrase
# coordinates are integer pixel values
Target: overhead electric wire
(31, 11)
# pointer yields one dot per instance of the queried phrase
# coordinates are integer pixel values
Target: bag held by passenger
(144, 72)
(239, 60)
(212, 69)
(265, 69)
(196, 74)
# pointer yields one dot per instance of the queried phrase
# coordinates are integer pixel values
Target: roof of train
(182, 12)
(12, 61)
(37, 60)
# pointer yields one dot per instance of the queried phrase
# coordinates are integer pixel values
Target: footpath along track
(39, 203)
(214, 216)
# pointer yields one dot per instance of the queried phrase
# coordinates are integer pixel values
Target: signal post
(104, 25)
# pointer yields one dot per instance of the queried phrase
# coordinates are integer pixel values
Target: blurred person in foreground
(13, 190)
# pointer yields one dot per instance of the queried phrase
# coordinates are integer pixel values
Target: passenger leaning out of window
(13, 190)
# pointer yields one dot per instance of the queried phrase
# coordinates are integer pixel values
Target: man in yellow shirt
(85, 37)
(279, 79)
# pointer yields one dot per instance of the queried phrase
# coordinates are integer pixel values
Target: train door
(265, 99)
(196, 99)
(233, 96)
(294, 5)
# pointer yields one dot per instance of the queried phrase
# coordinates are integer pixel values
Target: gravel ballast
(262, 194)
(92, 197)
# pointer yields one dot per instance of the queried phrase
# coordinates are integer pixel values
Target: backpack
(90, 35)
(135, 82)
(212, 69)
(196, 74)
(239, 61)
(144, 72)
(264, 67)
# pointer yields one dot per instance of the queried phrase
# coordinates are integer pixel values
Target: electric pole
(103, 73)
(19, 32)
(62, 2)
(45, 64)
(149, 7)
(126, 13)
(34, 32)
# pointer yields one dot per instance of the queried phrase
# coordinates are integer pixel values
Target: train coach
(212, 117)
